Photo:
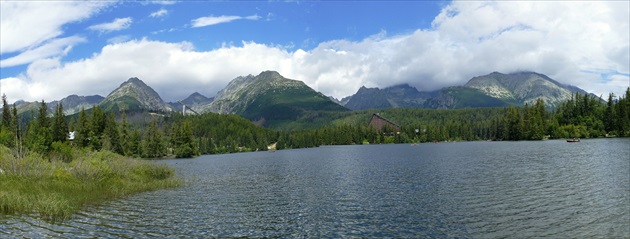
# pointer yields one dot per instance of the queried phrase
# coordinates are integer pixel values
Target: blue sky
(52, 49)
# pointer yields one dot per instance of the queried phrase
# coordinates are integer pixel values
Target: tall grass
(54, 190)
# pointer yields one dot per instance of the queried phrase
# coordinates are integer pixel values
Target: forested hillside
(582, 116)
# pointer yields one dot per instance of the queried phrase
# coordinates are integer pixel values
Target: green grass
(55, 190)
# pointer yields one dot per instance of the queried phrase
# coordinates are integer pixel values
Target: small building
(381, 124)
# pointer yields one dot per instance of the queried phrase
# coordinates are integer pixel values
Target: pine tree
(111, 132)
(185, 146)
(609, 114)
(59, 127)
(7, 126)
(135, 144)
(125, 143)
(153, 146)
(6, 114)
(40, 134)
(82, 129)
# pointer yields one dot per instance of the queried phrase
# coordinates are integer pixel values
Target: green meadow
(54, 189)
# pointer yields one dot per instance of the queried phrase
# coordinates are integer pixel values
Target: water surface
(468, 190)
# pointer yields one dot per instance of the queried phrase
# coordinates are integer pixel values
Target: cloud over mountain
(580, 43)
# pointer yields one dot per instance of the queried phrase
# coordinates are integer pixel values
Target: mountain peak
(269, 74)
(521, 87)
(196, 94)
(196, 99)
(134, 94)
(134, 80)
(269, 96)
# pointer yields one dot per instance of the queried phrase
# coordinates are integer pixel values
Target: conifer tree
(609, 114)
(185, 146)
(6, 113)
(112, 135)
(7, 125)
(153, 146)
(40, 137)
(82, 129)
(59, 127)
(124, 136)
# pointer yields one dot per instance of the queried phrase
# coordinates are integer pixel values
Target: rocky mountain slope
(71, 104)
(269, 96)
(74, 103)
(133, 95)
(399, 96)
(462, 97)
(196, 101)
(492, 90)
(522, 87)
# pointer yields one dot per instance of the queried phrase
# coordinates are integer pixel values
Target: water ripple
(461, 190)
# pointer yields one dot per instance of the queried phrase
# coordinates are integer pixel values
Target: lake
(522, 189)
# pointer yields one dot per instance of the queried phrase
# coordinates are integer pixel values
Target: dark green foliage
(60, 126)
(6, 113)
(97, 127)
(125, 137)
(153, 144)
(39, 135)
(184, 142)
(214, 133)
(111, 136)
(82, 130)
(8, 125)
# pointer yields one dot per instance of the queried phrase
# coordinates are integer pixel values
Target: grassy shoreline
(55, 190)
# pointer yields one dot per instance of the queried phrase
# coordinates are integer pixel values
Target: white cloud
(212, 20)
(160, 13)
(56, 47)
(27, 24)
(164, 2)
(571, 42)
(116, 25)
(119, 39)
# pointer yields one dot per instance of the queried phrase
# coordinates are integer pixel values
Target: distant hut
(381, 124)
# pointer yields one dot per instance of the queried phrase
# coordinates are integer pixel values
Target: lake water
(549, 189)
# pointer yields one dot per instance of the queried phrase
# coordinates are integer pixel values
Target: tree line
(582, 116)
(164, 135)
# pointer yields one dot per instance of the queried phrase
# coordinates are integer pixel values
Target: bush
(61, 151)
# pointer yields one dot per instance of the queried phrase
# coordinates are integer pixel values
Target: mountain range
(269, 97)
(492, 90)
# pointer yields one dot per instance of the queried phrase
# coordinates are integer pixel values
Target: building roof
(383, 118)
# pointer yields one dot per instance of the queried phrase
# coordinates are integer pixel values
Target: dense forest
(583, 116)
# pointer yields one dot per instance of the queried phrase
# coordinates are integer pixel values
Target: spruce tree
(60, 126)
(112, 135)
(82, 130)
(609, 114)
(124, 136)
(153, 146)
(40, 133)
(6, 114)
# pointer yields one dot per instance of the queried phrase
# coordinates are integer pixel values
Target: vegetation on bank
(31, 183)
(43, 173)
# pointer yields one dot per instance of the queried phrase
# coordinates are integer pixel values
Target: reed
(55, 190)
